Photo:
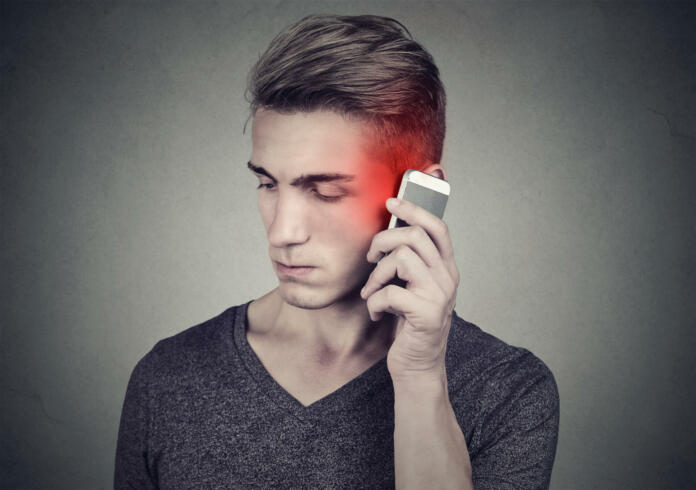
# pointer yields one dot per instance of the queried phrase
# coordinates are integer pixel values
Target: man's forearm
(429, 446)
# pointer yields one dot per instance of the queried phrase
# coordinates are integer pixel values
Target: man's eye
(325, 197)
(317, 194)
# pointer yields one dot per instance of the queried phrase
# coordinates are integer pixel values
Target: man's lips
(289, 270)
(291, 266)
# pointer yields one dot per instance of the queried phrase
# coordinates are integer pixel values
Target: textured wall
(128, 214)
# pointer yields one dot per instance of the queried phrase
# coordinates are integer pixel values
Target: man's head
(365, 67)
(354, 99)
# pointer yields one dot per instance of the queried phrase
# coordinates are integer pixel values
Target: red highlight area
(377, 184)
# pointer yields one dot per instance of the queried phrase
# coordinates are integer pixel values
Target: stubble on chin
(293, 293)
(306, 300)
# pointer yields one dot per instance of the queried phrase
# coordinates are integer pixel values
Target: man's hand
(422, 255)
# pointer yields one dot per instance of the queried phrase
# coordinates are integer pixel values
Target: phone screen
(427, 198)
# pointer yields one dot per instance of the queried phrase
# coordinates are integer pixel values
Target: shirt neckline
(332, 403)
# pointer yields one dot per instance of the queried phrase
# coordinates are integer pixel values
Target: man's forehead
(315, 131)
(303, 146)
(294, 146)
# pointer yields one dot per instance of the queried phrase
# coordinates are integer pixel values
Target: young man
(355, 372)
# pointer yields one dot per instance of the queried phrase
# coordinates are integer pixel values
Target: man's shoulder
(506, 401)
(203, 343)
(481, 361)
(200, 336)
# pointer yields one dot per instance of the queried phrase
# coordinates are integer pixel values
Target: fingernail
(392, 202)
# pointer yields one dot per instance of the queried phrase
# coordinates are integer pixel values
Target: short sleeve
(519, 431)
(131, 467)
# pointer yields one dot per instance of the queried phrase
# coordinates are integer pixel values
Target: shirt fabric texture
(201, 411)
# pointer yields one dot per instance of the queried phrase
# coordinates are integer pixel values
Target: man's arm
(131, 468)
(520, 423)
(429, 446)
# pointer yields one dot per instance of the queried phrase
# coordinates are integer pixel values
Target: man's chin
(313, 299)
(307, 300)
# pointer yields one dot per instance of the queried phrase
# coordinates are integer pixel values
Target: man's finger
(434, 226)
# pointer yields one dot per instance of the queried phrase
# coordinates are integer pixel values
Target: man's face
(321, 202)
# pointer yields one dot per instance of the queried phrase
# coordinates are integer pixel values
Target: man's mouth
(292, 265)
(292, 270)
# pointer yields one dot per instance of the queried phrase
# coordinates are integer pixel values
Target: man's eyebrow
(304, 180)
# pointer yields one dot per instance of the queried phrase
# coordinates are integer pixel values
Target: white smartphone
(425, 191)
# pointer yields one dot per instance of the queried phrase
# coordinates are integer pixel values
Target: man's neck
(335, 334)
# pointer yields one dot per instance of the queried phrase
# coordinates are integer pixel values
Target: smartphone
(424, 190)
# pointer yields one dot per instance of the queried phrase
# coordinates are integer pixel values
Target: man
(355, 372)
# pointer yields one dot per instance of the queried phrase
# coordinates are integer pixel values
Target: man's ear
(436, 170)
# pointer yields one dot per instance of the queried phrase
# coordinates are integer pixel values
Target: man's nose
(289, 225)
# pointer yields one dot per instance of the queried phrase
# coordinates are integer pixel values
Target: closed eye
(326, 198)
(317, 194)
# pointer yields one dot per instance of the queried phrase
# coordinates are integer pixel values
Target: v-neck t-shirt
(202, 411)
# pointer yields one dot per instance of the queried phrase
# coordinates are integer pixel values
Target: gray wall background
(128, 214)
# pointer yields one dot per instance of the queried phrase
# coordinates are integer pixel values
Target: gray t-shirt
(201, 411)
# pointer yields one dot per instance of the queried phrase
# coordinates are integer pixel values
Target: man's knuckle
(417, 233)
(390, 292)
(401, 252)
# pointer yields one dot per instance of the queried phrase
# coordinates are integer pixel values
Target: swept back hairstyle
(366, 68)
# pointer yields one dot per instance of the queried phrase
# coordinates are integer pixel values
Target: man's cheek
(369, 211)
(364, 218)
(354, 230)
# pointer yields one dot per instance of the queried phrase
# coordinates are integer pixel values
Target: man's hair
(366, 68)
